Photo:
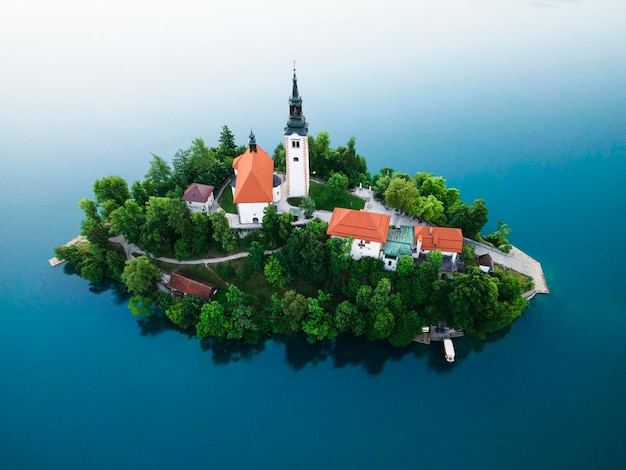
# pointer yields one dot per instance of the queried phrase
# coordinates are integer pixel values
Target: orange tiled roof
(255, 172)
(190, 286)
(360, 225)
(197, 192)
(439, 238)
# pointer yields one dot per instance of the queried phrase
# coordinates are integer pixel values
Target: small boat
(448, 350)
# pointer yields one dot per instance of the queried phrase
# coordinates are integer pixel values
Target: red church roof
(255, 172)
(439, 238)
(360, 225)
(197, 192)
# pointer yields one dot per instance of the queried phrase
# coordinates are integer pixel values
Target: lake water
(87, 385)
(533, 123)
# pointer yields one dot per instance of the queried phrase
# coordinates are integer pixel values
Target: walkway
(517, 260)
(129, 249)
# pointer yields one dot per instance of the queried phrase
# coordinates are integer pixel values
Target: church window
(296, 159)
(295, 144)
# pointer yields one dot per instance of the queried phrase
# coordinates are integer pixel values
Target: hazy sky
(139, 76)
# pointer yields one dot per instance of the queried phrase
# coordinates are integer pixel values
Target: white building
(296, 146)
(368, 230)
(199, 197)
(255, 185)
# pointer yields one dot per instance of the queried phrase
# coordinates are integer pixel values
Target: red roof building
(255, 176)
(359, 225)
(197, 192)
(444, 239)
(183, 284)
(199, 197)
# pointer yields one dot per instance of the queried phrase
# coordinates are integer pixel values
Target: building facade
(198, 197)
(368, 230)
(296, 146)
(255, 185)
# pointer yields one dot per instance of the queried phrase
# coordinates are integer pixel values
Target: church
(296, 146)
(255, 185)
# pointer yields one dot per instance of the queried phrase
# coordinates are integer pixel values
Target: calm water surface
(87, 385)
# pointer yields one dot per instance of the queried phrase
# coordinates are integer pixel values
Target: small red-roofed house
(255, 185)
(181, 284)
(199, 197)
(447, 240)
(368, 230)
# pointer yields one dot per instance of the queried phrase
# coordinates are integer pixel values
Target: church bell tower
(296, 146)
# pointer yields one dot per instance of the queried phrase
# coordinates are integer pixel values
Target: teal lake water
(87, 385)
(520, 103)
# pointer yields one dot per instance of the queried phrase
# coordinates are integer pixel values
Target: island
(231, 243)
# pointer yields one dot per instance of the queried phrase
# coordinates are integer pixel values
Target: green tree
(499, 237)
(306, 253)
(140, 275)
(140, 192)
(429, 208)
(93, 269)
(182, 171)
(92, 225)
(405, 267)
(115, 264)
(203, 163)
(110, 193)
(426, 274)
(433, 186)
(128, 220)
(406, 327)
(279, 158)
(348, 318)
(284, 226)
(275, 273)
(401, 193)
(213, 321)
(159, 179)
(256, 257)
(307, 204)
(185, 311)
(194, 242)
(269, 224)
(166, 221)
(381, 182)
(470, 219)
(319, 324)
(337, 185)
(294, 309)
(227, 146)
(222, 233)
(338, 254)
(473, 301)
(319, 154)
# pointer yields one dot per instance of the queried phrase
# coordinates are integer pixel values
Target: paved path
(129, 249)
(517, 260)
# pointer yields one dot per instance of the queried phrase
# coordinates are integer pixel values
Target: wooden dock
(437, 333)
(56, 261)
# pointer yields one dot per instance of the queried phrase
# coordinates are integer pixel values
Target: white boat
(448, 350)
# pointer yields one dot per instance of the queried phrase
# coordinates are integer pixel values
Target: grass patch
(226, 201)
(325, 202)
(255, 286)
(525, 281)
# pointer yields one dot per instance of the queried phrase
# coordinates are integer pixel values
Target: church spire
(296, 122)
(252, 141)
(294, 91)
